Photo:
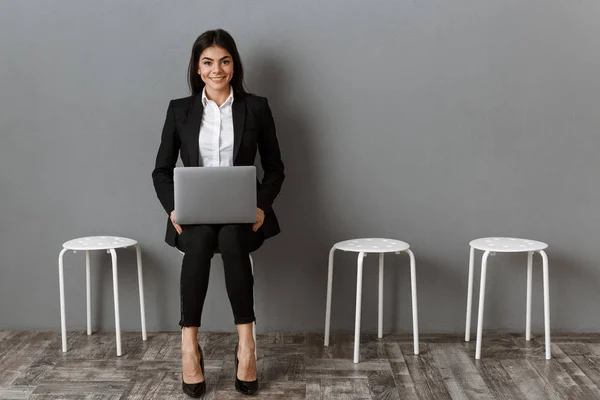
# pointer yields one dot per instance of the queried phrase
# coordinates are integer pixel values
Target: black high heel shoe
(244, 387)
(195, 389)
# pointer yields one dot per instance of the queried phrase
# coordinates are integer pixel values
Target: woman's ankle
(189, 337)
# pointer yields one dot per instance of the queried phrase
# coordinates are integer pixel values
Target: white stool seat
(109, 244)
(372, 245)
(99, 243)
(507, 245)
(363, 247)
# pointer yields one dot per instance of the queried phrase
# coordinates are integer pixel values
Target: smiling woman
(219, 125)
(215, 74)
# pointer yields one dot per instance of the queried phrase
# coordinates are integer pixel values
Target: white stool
(108, 243)
(507, 245)
(362, 247)
(254, 324)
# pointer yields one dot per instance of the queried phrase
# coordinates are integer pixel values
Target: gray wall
(433, 122)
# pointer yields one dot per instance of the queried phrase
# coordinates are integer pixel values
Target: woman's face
(215, 67)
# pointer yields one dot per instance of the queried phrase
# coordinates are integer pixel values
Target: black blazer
(253, 128)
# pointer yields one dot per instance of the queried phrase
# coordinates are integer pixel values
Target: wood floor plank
(88, 396)
(329, 368)
(4, 335)
(16, 392)
(583, 358)
(218, 345)
(334, 388)
(575, 372)
(375, 350)
(275, 338)
(427, 379)
(81, 388)
(382, 385)
(42, 364)
(163, 346)
(290, 367)
(594, 348)
(460, 376)
(313, 388)
(402, 379)
(92, 371)
(498, 380)
(553, 373)
(560, 338)
(22, 353)
(528, 381)
(276, 390)
(156, 385)
(155, 345)
(281, 348)
(505, 347)
(340, 346)
(14, 339)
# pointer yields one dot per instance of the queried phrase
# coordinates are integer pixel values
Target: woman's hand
(260, 218)
(177, 227)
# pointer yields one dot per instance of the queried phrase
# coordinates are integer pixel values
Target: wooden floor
(296, 366)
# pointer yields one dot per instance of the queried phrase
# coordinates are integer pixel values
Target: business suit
(253, 129)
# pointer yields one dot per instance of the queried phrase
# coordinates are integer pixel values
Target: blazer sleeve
(166, 159)
(270, 156)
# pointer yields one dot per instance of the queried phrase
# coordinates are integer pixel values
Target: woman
(219, 125)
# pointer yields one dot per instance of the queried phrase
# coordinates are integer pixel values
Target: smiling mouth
(217, 79)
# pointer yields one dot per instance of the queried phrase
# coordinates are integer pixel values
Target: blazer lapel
(193, 131)
(239, 117)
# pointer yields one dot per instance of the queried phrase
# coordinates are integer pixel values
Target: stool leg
(113, 255)
(481, 304)
(528, 311)
(329, 288)
(546, 304)
(254, 323)
(138, 254)
(61, 284)
(88, 295)
(380, 310)
(359, 276)
(469, 295)
(413, 289)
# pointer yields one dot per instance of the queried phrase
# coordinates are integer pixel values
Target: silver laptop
(215, 195)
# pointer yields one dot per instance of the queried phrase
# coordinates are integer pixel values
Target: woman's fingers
(260, 217)
(177, 226)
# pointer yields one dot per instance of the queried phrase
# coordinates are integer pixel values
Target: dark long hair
(221, 38)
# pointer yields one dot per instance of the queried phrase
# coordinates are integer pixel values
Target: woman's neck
(218, 96)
